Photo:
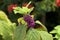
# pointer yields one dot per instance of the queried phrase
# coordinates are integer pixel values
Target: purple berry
(29, 20)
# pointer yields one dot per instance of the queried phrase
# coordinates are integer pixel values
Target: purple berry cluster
(29, 20)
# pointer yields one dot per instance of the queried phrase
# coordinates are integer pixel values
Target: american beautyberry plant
(27, 28)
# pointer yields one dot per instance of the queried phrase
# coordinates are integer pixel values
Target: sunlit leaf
(6, 27)
(34, 34)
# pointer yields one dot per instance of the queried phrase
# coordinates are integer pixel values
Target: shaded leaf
(20, 33)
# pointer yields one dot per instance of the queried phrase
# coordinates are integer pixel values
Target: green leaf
(18, 10)
(4, 17)
(6, 30)
(23, 10)
(46, 35)
(6, 27)
(54, 31)
(20, 33)
(34, 34)
(45, 6)
(21, 20)
(57, 27)
(42, 26)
